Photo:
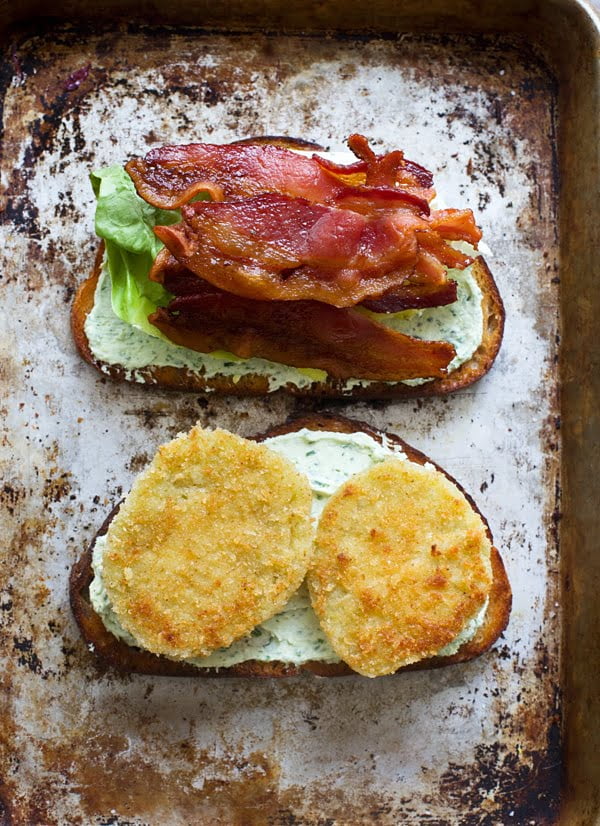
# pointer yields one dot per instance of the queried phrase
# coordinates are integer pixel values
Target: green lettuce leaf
(125, 222)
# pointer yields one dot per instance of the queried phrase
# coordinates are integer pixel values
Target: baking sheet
(476, 743)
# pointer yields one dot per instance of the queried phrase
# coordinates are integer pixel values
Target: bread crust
(176, 378)
(116, 654)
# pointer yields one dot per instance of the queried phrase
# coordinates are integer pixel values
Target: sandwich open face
(250, 267)
(212, 566)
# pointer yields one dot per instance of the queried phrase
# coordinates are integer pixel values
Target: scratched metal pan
(501, 101)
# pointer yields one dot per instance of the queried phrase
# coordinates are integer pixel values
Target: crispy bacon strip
(355, 172)
(409, 296)
(456, 225)
(277, 248)
(435, 245)
(343, 342)
(287, 249)
(413, 297)
(172, 175)
(174, 277)
(389, 169)
(369, 199)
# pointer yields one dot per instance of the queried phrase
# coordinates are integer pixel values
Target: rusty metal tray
(501, 101)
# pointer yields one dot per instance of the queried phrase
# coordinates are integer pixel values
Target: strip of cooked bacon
(278, 248)
(456, 225)
(353, 173)
(411, 295)
(172, 175)
(368, 199)
(174, 277)
(288, 249)
(389, 169)
(432, 243)
(343, 342)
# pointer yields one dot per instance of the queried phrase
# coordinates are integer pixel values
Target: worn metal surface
(472, 744)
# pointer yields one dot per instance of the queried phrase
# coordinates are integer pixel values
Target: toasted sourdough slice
(115, 653)
(259, 384)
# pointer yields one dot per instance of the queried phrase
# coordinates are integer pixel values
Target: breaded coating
(401, 563)
(213, 539)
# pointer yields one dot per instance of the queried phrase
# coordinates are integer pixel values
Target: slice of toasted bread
(258, 384)
(117, 654)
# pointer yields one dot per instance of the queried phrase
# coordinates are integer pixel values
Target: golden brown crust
(176, 378)
(116, 654)
(284, 142)
(382, 597)
(213, 539)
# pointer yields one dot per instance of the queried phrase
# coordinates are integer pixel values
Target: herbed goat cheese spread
(294, 635)
(115, 342)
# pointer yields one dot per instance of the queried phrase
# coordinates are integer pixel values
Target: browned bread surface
(117, 654)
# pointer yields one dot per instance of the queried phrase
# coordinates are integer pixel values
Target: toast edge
(116, 654)
(177, 378)
(174, 378)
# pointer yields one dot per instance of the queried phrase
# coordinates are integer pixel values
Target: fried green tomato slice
(213, 539)
(401, 564)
